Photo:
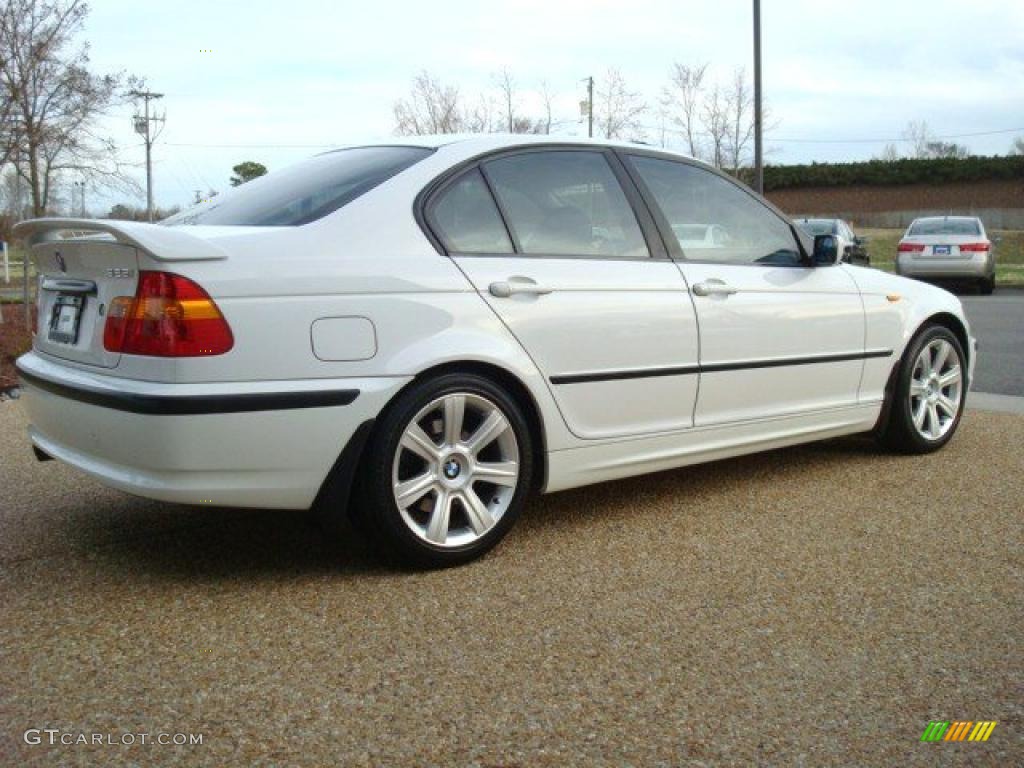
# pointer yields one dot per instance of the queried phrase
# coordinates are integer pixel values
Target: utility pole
(758, 146)
(590, 107)
(142, 127)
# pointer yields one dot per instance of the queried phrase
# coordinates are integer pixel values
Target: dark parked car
(851, 247)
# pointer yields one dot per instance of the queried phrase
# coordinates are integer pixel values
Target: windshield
(816, 227)
(945, 227)
(304, 192)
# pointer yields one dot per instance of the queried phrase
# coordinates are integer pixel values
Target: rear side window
(466, 218)
(560, 203)
(945, 227)
(304, 192)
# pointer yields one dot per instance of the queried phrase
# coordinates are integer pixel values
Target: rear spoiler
(162, 243)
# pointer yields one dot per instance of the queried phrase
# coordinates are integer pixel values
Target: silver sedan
(948, 247)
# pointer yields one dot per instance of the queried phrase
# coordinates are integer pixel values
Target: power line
(847, 141)
(658, 128)
(901, 138)
(255, 146)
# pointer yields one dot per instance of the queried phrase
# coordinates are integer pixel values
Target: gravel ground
(815, 606)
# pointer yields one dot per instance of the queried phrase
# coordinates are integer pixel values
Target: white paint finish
(890, 324)
(605, 409)
(371, 260)
(601, 316)
(161, 243)
(777, 313)
(343, 339)
(263, 458)
(625, 458)
(84, 261)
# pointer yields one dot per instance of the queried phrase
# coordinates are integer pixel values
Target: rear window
(818, 226)
(304, 192)
(945, 227)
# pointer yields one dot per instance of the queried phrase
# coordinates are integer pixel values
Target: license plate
(940, 250)
(65, 318)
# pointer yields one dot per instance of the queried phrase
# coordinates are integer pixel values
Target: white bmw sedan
(421, 334)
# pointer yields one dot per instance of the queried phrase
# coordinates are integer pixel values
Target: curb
(986, 401)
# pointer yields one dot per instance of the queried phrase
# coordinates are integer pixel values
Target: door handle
(521, 285)
(713, 287)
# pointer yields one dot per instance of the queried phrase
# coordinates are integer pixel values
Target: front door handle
(713, 287)
(521, 285)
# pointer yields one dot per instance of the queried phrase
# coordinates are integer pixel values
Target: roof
(489, 141)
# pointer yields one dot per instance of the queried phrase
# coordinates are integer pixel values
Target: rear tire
(929, 393)
(446, 472)
(987, 285)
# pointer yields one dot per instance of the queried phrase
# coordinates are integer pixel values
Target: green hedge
(891, 173)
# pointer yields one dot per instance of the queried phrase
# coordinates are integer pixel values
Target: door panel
(598, 336)
(777, 337)
(756, 342)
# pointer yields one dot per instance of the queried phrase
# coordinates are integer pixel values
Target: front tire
(929, 393)
(447, 471)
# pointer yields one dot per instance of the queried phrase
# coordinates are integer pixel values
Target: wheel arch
(945, 319)
(516, 389)
(955, 326)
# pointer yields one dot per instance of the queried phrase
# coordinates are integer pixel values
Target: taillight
(910, 248)
(169, 316)
(973, 247)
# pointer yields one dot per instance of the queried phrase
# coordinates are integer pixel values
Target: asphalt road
(814, 606)
(998, 323)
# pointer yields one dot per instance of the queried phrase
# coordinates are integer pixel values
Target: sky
(275, 81)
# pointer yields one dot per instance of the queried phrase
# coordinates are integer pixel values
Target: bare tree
(54, 99)
(740, 111)
(927, 145)
(890, 154)
(479, 119)
(682, 99)
(507, 87)
(546, 98)
(431, 107)
(1017, 148)
(618, 108)
(715, 118)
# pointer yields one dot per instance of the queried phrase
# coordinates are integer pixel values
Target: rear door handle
(521, 285)
(713, 287)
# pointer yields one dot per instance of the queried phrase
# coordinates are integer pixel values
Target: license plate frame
(942, 250)
(66, 318)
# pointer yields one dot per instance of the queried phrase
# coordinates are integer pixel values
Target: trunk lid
(94, 262)
(78, 280)
(943, 246)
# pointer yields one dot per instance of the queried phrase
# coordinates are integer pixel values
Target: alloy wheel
(455, 470)
(936, 388)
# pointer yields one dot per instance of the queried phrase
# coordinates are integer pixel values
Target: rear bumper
(248, 444)
(975, 267)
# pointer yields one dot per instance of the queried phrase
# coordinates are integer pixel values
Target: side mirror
(826, 250)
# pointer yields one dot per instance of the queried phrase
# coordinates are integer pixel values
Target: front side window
(565, 203)
(303, 192)
(714, 219)
(466, 219)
